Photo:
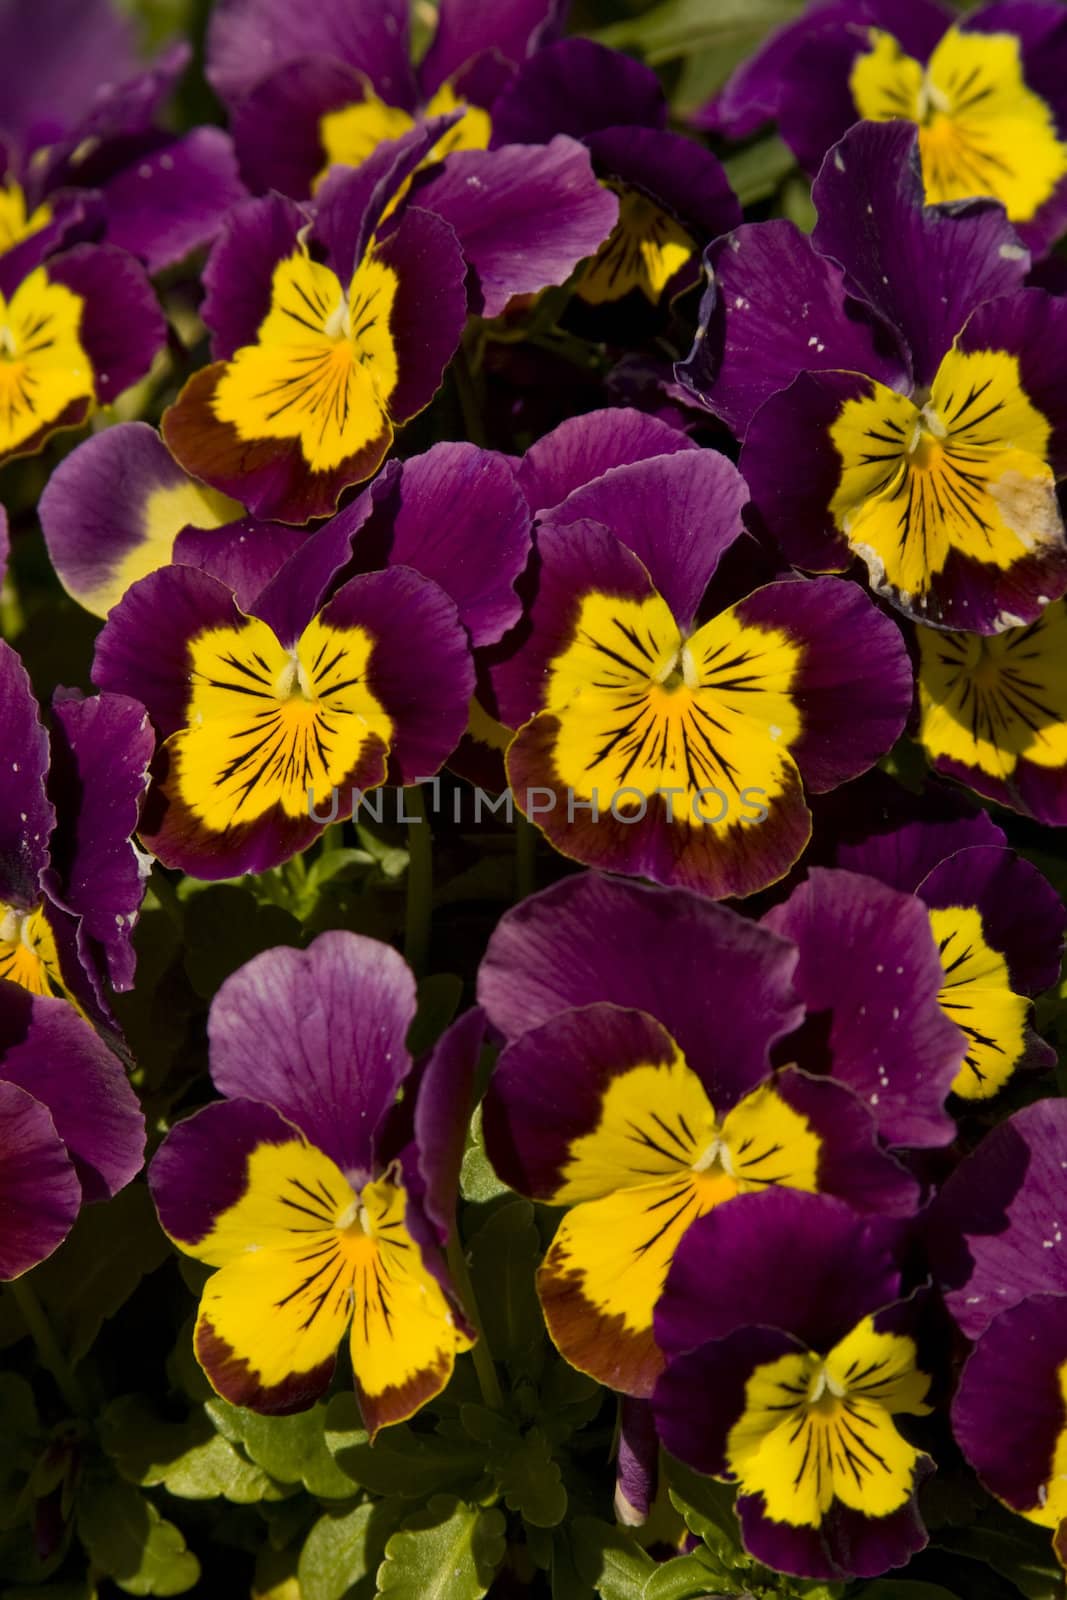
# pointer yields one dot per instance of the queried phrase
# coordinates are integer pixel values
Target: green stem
(470, 400)
(333, 839)
(525, 857)
(420, 881)
(484, 1368)
(48, 1346)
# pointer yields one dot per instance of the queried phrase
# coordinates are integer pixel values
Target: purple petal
(442, 1116)
(52, 1052)
(319, 1035)
(255, 236)
(277, 125)
(637, 1467)
(997, 1234)
(112, 508)
(173, 200)
(457, 515)
(525, 216)
(855, 681)
(421, 669)
(5, 545)
(846, 1544)
(513, 29)
(922, 268)
(576, 87)
(426, 329)
(752, 340)
(701, 1395)
(672, 170)
(679, 514)
(122, 121)
(142, 649)
(1033, 327)
(869, 976)
(249, 38)
(77, 217)
(1008, 1411)
(245, 555)
(583, 448)
(1022, 915)
(40, 1195)
(26, 814)
(677, 956)
(47, 89)
(122, 327)
(101, 749)
(804, 1263)
(201, 1168)
(852, 1165)
(900, 837)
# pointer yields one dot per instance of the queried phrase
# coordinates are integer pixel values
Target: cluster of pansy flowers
(744, 1114)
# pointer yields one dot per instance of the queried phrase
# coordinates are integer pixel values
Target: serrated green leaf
(610, 1559)
(531, 1483)
(1019, 1551)
(291, 1449)
(130, 1542)
(708, 1509)
(477, 1180)
(449, 1551)
(504, 1254)
(188, 1459)
(413, 1466)
(343, 1548)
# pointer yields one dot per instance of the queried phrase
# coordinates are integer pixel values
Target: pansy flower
(325, 340)
(85, 149)
(993, 712)
(663, 740)
(71, 880)
(74, 333)
(985, 91)
(318, 1220)
(269, 704)
(71, 1127)
(673, 194)
(903, 405)
(872, 983)
(328, 88)
(793, 1370)
(998, 1241)
(633, 1095)
(999, 928)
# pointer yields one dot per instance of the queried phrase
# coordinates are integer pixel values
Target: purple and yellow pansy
(75, 331)
(910, 415)
(270, 705)
(632, 1094)
(318, 1216)
(328, 89)
(85, 151)
(999, 929)
(799, 1383)
(71, 878)
(668, 730)
(985, 92)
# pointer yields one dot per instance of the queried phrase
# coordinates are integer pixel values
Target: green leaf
(610, 1559)
(413, 1466)
(682, 27)
(343, 1548)
(708, 1509)
(684, 1578)
(449, 1551)
(130, 1542)
(1018, 1550)
(757, 172)
(504, 1254)
(477, 1180)
(291, 1449)
(109, 1250)
(530, 1481)
(188, 1459)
